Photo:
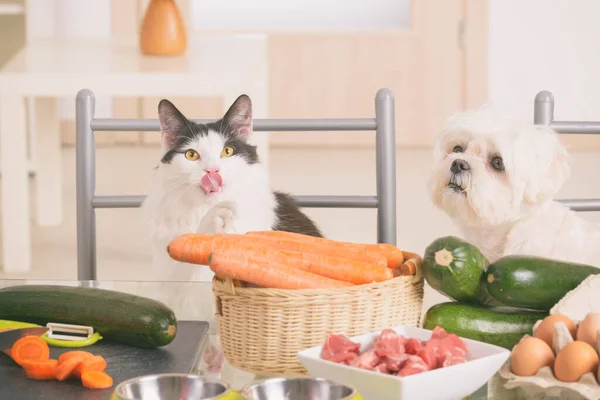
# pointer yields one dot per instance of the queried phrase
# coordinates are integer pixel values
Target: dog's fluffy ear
(547, 164)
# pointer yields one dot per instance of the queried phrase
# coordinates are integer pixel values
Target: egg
(588, 329)
(529, 356)
(545, 329)
(575, 360)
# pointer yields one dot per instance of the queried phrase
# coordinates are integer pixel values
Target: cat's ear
(172, 123)
(239, 117)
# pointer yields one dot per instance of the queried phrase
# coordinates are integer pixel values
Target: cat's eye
(497, 163)
(457, 149)
(227, 151)
(192, 155)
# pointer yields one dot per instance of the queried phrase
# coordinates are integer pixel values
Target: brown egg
(529, 356)
(546, 328)
(575, 360)
(588, 329)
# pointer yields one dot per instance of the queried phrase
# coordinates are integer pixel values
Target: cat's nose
(211, 170)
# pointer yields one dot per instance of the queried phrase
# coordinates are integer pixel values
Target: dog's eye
(497, 163)
(457, 149)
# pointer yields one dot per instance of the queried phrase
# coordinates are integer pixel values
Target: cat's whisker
(185, 189)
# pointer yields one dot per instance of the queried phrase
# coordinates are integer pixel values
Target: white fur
(510, 212)
(176, 204)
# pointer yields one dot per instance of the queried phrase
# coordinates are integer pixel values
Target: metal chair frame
(87, 201)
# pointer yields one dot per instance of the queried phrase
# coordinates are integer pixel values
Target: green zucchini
(494, 325)
(121, 317)
(457, 269)
(534, 282)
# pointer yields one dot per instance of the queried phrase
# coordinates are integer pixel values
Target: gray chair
(544, 115)
(87, 200)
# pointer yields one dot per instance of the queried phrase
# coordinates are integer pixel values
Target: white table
(223, 65)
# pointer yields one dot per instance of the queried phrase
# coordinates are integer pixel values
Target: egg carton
(545, 385)
(576, 304)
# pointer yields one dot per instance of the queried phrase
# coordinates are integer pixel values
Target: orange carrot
(94, 363)
(30, 348)
(40, 370)
(195, 248)
(96, 380)
(262, 271)
(73, 353)
(341, 269)
(65, 369)
(392, 254)
(411, 264)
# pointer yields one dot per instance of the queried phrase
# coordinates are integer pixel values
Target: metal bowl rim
(353, 391)
(226, 386)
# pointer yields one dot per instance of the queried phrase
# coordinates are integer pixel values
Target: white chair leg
(48, 162)
(16, 229)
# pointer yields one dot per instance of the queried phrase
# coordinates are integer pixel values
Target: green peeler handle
(72, 343)
(5, 324)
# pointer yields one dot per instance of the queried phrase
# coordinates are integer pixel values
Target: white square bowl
(450, 383)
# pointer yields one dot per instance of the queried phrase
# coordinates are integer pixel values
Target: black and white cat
(210, 180)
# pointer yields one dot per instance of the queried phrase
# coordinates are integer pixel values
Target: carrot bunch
(285, 260)
(33, 354)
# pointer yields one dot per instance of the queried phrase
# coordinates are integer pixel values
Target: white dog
(496, 177)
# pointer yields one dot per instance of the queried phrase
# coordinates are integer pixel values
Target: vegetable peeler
(60, 335)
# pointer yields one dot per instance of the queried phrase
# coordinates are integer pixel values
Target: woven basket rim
(228, 287)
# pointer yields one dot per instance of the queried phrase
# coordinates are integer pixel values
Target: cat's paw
(218, 219)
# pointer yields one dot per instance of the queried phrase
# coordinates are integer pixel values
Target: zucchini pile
(496, 303)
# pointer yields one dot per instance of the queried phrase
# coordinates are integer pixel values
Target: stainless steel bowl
(298, 389)
(170, 387)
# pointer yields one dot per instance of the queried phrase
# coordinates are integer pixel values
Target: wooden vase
(163, 32)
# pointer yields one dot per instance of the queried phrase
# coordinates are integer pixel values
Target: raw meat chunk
(382, 368)
(429, 354)
(450, 347)
(412, 346)
(414, 365)
(396, 364)
(367, 360)
(453, 360)
(339, 349)
(389, 344)
(438, 333)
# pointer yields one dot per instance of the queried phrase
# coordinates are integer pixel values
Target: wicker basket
(262, 330)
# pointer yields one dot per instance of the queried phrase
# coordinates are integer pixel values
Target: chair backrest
(384, 201)
(543, 114)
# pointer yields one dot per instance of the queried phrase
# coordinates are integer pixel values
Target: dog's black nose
(459, 166)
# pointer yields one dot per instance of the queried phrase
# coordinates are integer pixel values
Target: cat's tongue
(211, 182)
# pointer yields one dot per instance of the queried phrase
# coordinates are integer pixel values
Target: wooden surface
(123, 362)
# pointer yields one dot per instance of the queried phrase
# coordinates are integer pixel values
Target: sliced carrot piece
(40, 375)
(96, 380)
(30, 348)
(65, 369)
(40, 370)
(94, 363)
(73, 353)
